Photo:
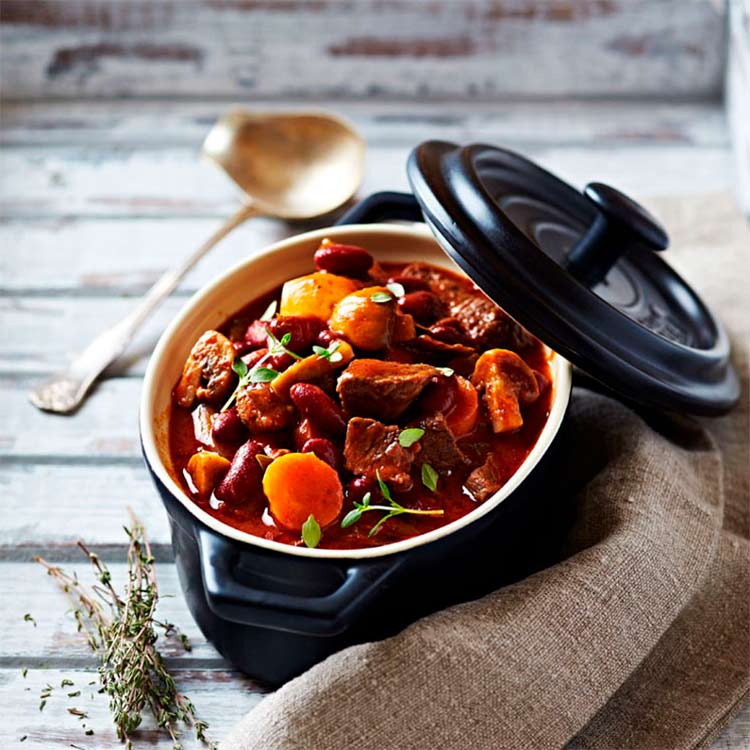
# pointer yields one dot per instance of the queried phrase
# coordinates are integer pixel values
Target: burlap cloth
(638, 638)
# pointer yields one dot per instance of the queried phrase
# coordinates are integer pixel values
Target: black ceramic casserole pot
(274, 610)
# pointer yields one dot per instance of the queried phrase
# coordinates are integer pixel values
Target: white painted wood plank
(28, 589)
(151, 123)
(105, 427)
(40, 333)
(221, 697)
(128, 181)
(116, 257)
(738, 95)
(412, 48)
(52, 506)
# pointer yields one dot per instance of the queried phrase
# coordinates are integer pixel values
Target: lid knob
(620, 223)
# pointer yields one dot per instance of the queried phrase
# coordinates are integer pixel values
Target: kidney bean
(279, 362)
(424, 307)
(255, 335)
(243, 480)
(449, 330)
(345, 260)
(227, 427)
(326, 451)
(358, 488)
(440, 395)
(303, 330)
(326, 337)
(410, 284)
(317, 406)
(303, 432)
(253, 358)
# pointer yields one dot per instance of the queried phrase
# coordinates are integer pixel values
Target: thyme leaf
(263, 375)
(408, 437)
(396, 289)
(311, 532)
(429, 477)
(381, 297)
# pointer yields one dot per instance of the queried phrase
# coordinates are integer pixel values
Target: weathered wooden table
(98, 199)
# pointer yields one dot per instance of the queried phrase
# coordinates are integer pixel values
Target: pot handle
(383, 206)
(324, 615)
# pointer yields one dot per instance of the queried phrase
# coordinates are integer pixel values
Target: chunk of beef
(488, 325)
(261, 410)
(439, 447)
(450, 290)
(372, 448)
(376, 388)
(486, 479)
(485, 324)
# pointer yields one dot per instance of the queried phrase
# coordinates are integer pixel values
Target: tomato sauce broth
(510, 449)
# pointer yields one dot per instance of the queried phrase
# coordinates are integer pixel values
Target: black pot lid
(581, 271)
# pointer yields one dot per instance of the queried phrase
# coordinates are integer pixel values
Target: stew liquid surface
(365, 384)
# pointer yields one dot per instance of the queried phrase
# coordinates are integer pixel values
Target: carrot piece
(463, 418)
(206, 470)
(298, 485)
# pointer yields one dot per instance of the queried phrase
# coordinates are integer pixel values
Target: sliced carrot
(463, 418)
(206, 470)
(298, 485)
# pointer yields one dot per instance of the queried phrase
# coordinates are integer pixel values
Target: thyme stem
(121, 631)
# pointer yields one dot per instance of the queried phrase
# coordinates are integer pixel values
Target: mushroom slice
(505, 382)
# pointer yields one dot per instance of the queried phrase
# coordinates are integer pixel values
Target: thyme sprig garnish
(122, 632)
(392, 510)
(279, 346)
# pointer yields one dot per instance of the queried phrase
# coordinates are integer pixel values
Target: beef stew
(356, 406)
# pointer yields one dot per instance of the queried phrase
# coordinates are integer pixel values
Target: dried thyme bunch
(122, 632)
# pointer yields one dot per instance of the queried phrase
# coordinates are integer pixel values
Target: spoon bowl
(290, 166)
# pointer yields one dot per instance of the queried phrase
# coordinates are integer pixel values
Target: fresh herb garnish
(429, 477)
(263, 375)
(331, 353)
(392, 510)
(396, 289)
(121, 631)
(408, 437)
(270, 311)
(279, 346)
(28, 618)
(381, 297)
(311, 532)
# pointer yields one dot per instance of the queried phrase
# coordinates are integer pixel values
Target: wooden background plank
(362, 48)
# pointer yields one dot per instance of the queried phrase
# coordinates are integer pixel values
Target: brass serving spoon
(290, 166)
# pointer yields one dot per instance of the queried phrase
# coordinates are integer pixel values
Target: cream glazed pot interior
(263, 271)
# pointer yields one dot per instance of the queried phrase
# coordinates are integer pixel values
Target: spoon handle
(65, 391)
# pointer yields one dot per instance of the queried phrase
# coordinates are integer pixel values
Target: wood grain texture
(738, 95)
(362, 48)
(97, 198)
